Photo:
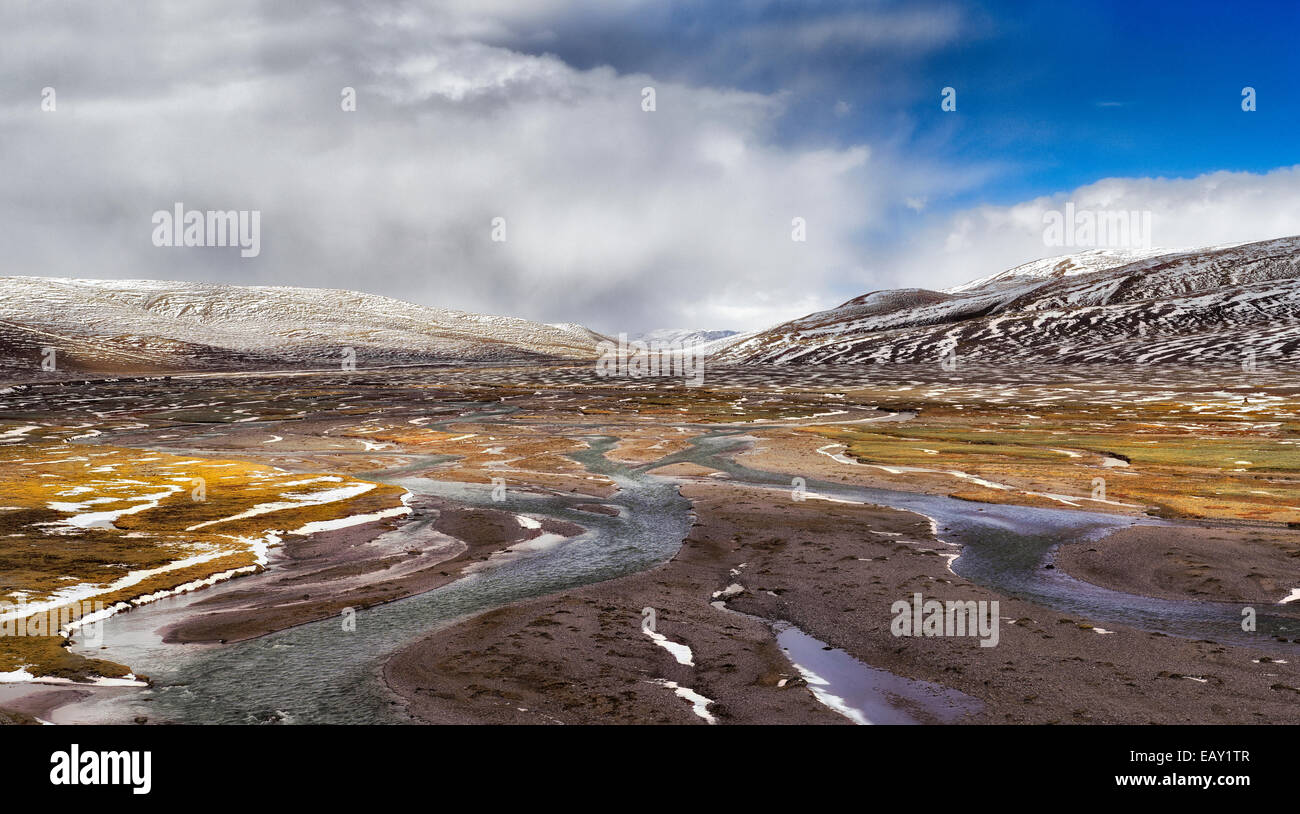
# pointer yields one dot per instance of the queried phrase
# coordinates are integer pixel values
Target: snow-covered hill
(683, 336)
(1070, 265)
(131, 326)
(704, 342)
(1207, 306)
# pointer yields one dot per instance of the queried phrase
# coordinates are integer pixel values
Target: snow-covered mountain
(704, 342)
(1050, 268)
(1214, 305)
(134, 326)
(713, 347)
(682, 336)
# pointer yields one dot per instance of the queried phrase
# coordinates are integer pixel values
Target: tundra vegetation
(98, 483)
(113, 524)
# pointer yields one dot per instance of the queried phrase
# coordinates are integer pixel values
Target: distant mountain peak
(705, 342)
(1067, 265)
(684, 335)
(1205, 306)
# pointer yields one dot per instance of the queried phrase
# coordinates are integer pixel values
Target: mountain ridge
(131, 326)
(1214, 305)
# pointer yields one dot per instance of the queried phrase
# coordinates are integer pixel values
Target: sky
(614, 216)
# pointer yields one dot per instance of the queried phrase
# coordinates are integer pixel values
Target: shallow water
(858, 691)
(865, 694)
(1005, 547)
(319, 673)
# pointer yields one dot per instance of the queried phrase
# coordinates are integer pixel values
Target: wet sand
(583, 657)
(833, 570)
(318, 577)
(33, 704)
(1219, 564)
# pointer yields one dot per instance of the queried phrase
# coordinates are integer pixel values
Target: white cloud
(1210, 209)
(616, 217)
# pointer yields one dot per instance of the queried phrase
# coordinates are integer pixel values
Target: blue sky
(1053, 95)
(1071, 92)
(620, 218)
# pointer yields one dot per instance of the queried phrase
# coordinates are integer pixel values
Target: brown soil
(318, 577)
(833, 570)
(1227, 564)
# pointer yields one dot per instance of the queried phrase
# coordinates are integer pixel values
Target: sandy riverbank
(318, 577)
(833, 569)
(315, 577)
(1246, 564)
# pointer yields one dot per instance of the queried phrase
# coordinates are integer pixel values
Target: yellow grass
(176, 508)
(1207, 466)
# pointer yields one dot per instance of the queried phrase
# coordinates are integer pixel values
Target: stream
(319, 673)
(1004, 547)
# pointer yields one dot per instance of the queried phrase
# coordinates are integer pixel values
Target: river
(321, 673)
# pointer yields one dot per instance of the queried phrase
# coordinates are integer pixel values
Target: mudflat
(833, 570)
(1218, 564)
(320, 576)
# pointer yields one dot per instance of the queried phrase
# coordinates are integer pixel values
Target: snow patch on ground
(354, 520)
(680, 652)
(699, 704)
